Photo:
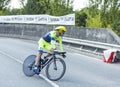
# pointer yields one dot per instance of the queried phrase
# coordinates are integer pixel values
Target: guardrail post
(81, 47)
(95, 50)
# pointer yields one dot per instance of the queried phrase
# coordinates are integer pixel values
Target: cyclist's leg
(36, 67)
(40, 51)
(38, 57)
(49, 48)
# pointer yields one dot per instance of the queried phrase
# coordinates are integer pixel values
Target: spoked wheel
(56, 69)
(28, 65)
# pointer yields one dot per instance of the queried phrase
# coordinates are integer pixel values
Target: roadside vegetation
(98, 14)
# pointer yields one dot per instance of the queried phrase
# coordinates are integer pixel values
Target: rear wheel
(28, 65)
(56, 69)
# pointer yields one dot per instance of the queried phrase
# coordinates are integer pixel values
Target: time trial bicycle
(55, 66)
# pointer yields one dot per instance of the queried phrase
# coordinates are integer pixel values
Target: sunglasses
(62, 32)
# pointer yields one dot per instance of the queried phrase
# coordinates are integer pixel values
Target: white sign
(39, 19)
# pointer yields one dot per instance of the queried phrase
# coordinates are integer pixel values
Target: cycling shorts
(43, 45)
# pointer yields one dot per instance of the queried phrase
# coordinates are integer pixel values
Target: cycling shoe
(36, 70)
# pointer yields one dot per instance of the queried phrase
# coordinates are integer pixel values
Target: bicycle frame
(50, 59)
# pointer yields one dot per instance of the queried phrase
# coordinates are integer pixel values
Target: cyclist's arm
(53, 40)
(60, 44)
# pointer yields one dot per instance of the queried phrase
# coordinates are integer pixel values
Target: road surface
(82, 71)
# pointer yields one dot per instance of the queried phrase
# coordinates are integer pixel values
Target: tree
(34, 7)
(14, 11)
(117, 28)
(81, 19)
(94, 21)
(52, 7)
(61, 7)
(3, 5)
(108, 9)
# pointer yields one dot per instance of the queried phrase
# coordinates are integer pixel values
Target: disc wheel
(28, 65)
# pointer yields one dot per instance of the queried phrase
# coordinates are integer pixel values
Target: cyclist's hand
(63, 55)
(52, 50)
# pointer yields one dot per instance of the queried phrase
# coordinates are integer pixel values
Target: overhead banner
(39, 19)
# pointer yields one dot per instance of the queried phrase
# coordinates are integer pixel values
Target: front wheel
(56, 69)
(28, 65)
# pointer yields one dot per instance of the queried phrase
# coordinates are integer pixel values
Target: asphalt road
(82, 71)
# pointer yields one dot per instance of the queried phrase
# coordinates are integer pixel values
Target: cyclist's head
(61, 30)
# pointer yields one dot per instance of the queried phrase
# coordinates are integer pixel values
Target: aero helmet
(61, 29)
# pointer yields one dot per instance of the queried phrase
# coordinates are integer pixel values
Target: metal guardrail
(93, 47)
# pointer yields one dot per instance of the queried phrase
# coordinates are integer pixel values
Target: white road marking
(11, 57)
(46, 79)
(52, 83)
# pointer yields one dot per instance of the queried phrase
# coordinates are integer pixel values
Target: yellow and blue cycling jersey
(48, 41)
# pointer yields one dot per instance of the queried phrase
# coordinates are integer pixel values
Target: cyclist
(47, 42)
